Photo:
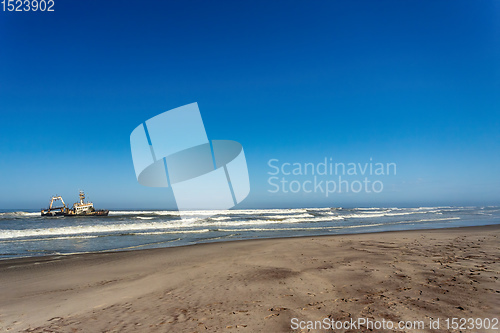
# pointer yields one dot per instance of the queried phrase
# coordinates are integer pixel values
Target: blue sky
(411, 82)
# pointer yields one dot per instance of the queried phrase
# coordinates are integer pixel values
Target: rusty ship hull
(101, 212)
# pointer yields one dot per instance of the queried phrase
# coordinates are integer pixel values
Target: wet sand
(258, 285)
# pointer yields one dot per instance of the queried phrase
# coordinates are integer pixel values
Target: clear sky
(415, 83)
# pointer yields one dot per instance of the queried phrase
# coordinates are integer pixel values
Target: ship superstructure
(82, 207)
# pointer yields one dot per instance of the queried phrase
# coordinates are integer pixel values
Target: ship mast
(82, 197)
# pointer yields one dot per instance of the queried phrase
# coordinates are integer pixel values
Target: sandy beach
(258, 285)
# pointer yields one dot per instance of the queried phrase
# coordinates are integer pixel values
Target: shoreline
(257, 284)
(2, 260)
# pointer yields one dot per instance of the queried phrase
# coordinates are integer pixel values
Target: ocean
(27, 234)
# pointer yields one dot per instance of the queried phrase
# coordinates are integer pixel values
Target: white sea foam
(18, 214)
(440, 219)
(368, 211)
(220, 218)
(143, 212)
(315, 219)
(52, 238)
(210, 212)
(86, 229)
(282, 217)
